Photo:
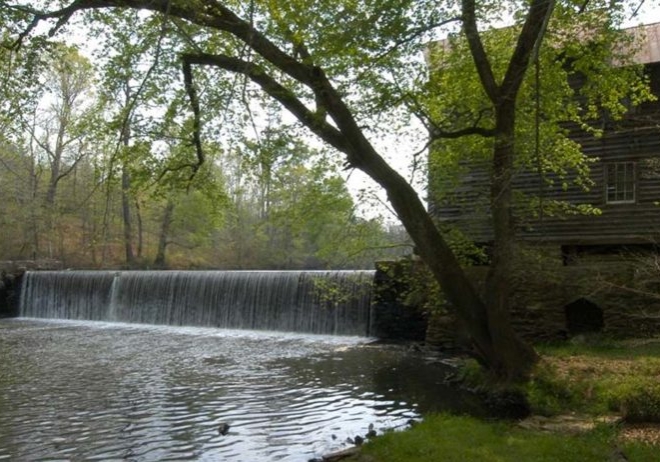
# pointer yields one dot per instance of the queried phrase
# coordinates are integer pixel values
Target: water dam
(318, 302)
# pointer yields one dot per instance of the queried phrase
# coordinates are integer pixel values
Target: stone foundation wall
(397, 314)
(547, 302)
(550, 301)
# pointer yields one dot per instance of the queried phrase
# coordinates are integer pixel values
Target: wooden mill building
(626, 182)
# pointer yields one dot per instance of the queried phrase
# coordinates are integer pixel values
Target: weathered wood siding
(634, 139)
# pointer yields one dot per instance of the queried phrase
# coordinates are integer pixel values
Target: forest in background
(95, 172)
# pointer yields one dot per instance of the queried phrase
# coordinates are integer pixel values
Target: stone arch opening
(583, 316)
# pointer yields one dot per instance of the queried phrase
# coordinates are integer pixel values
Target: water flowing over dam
(151, 365)
(319, 302)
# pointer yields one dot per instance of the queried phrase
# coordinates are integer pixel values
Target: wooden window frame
(621, 182)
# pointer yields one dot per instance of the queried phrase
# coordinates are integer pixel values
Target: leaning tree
(334, 65)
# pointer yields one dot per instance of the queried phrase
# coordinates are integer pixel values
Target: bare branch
(636, 11)
(71, 167)
(584, 6)
(132, 103)
(194, 103)
(187, 165)
(62, 16)
(436, 131)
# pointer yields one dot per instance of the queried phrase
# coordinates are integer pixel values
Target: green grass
(599, 378)
(603, 347)
(463, 439)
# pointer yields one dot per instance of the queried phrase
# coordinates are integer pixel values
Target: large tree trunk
(513, 357)
(140, 229)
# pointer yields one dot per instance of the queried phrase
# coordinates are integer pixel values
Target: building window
(620, 182)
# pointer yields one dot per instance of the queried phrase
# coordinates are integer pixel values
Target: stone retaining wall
(396, 316)
(550, 301)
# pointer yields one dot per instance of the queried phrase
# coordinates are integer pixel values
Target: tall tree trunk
(105, 225)
(163, 239)
(126, 216)
(55, 156)
(126, 182)
(140, 229)
(35, 206)
(513, 357)
(50, 212)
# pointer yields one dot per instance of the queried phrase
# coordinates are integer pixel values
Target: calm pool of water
(102, 391)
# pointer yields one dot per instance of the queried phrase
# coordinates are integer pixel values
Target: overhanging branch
(194, 103)
(62, 15)
(279, 92)
(437, 132)
(415, 34)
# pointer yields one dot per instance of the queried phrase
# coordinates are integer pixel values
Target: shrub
(546, 392)
(637, 400)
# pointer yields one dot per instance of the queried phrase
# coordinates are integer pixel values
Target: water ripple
(99, 391)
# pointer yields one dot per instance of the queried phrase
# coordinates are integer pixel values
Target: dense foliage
(97, 168)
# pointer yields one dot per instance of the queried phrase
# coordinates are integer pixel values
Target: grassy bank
(463, 439)
(597, 377)
(591, 379)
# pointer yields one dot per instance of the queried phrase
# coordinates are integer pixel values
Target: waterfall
(320, 302)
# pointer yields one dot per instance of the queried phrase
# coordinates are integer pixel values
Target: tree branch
(416, 33)
(274, 89)
(71, 167)
(584, 6)
(62, 15)
(484, 69)
(438, 133)
(194, 103)
(636, 11)
(212, 14)
(529, 39)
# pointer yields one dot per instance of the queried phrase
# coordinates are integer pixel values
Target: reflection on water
(98, 391)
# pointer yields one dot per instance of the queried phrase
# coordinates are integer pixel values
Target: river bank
(594, 399)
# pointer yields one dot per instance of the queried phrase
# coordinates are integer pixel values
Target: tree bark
(126, 216)
(514, 358)
(140, 229)
(126, 185)
(163, 239)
